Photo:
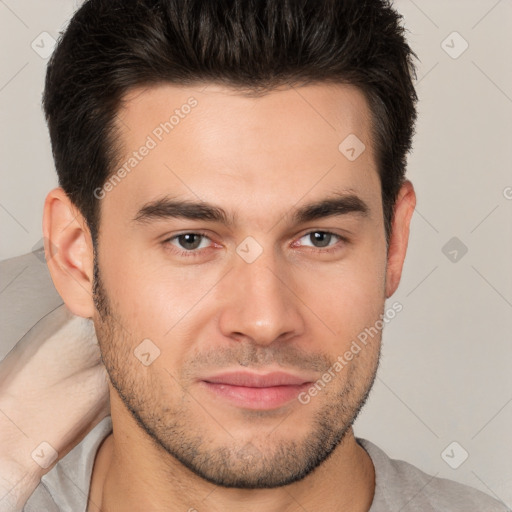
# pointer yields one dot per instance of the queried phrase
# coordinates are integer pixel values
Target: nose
(261, 305)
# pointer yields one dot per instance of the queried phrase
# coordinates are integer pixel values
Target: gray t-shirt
(400, 486)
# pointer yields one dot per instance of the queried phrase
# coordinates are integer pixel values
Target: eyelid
(203, 233)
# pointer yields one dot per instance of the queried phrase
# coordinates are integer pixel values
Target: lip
(256, 380)
(250, 390)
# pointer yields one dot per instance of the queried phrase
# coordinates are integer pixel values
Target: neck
(132, 473)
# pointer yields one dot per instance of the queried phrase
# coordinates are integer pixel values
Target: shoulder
(402, 486)
(66, 486)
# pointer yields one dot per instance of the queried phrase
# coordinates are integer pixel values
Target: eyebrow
(168, 208)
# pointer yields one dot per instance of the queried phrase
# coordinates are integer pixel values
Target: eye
(320, 239)
(189, 241)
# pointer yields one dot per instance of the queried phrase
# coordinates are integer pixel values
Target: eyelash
(198, 252)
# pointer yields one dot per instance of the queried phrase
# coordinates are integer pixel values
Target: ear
(399, 237)
(69, 252)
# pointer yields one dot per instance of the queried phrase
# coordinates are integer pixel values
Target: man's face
(246, 312)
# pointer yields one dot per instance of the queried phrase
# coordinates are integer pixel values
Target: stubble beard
(257, 463)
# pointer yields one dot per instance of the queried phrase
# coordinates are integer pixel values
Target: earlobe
(69, 252)
(404, 208)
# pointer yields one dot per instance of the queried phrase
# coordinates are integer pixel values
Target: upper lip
(255, 380)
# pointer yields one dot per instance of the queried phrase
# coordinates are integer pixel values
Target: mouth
(249, 390)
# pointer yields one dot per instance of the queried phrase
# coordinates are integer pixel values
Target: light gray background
(445, 373)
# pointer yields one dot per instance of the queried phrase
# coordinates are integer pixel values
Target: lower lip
(257, 398)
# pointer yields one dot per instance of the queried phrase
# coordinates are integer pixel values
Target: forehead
(213, 143)
(311, 112)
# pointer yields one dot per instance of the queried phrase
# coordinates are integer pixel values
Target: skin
(176, 444)
(74, 384)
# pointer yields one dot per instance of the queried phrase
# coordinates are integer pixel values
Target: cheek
(154, 299)
(128, 284)
(348, 296)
